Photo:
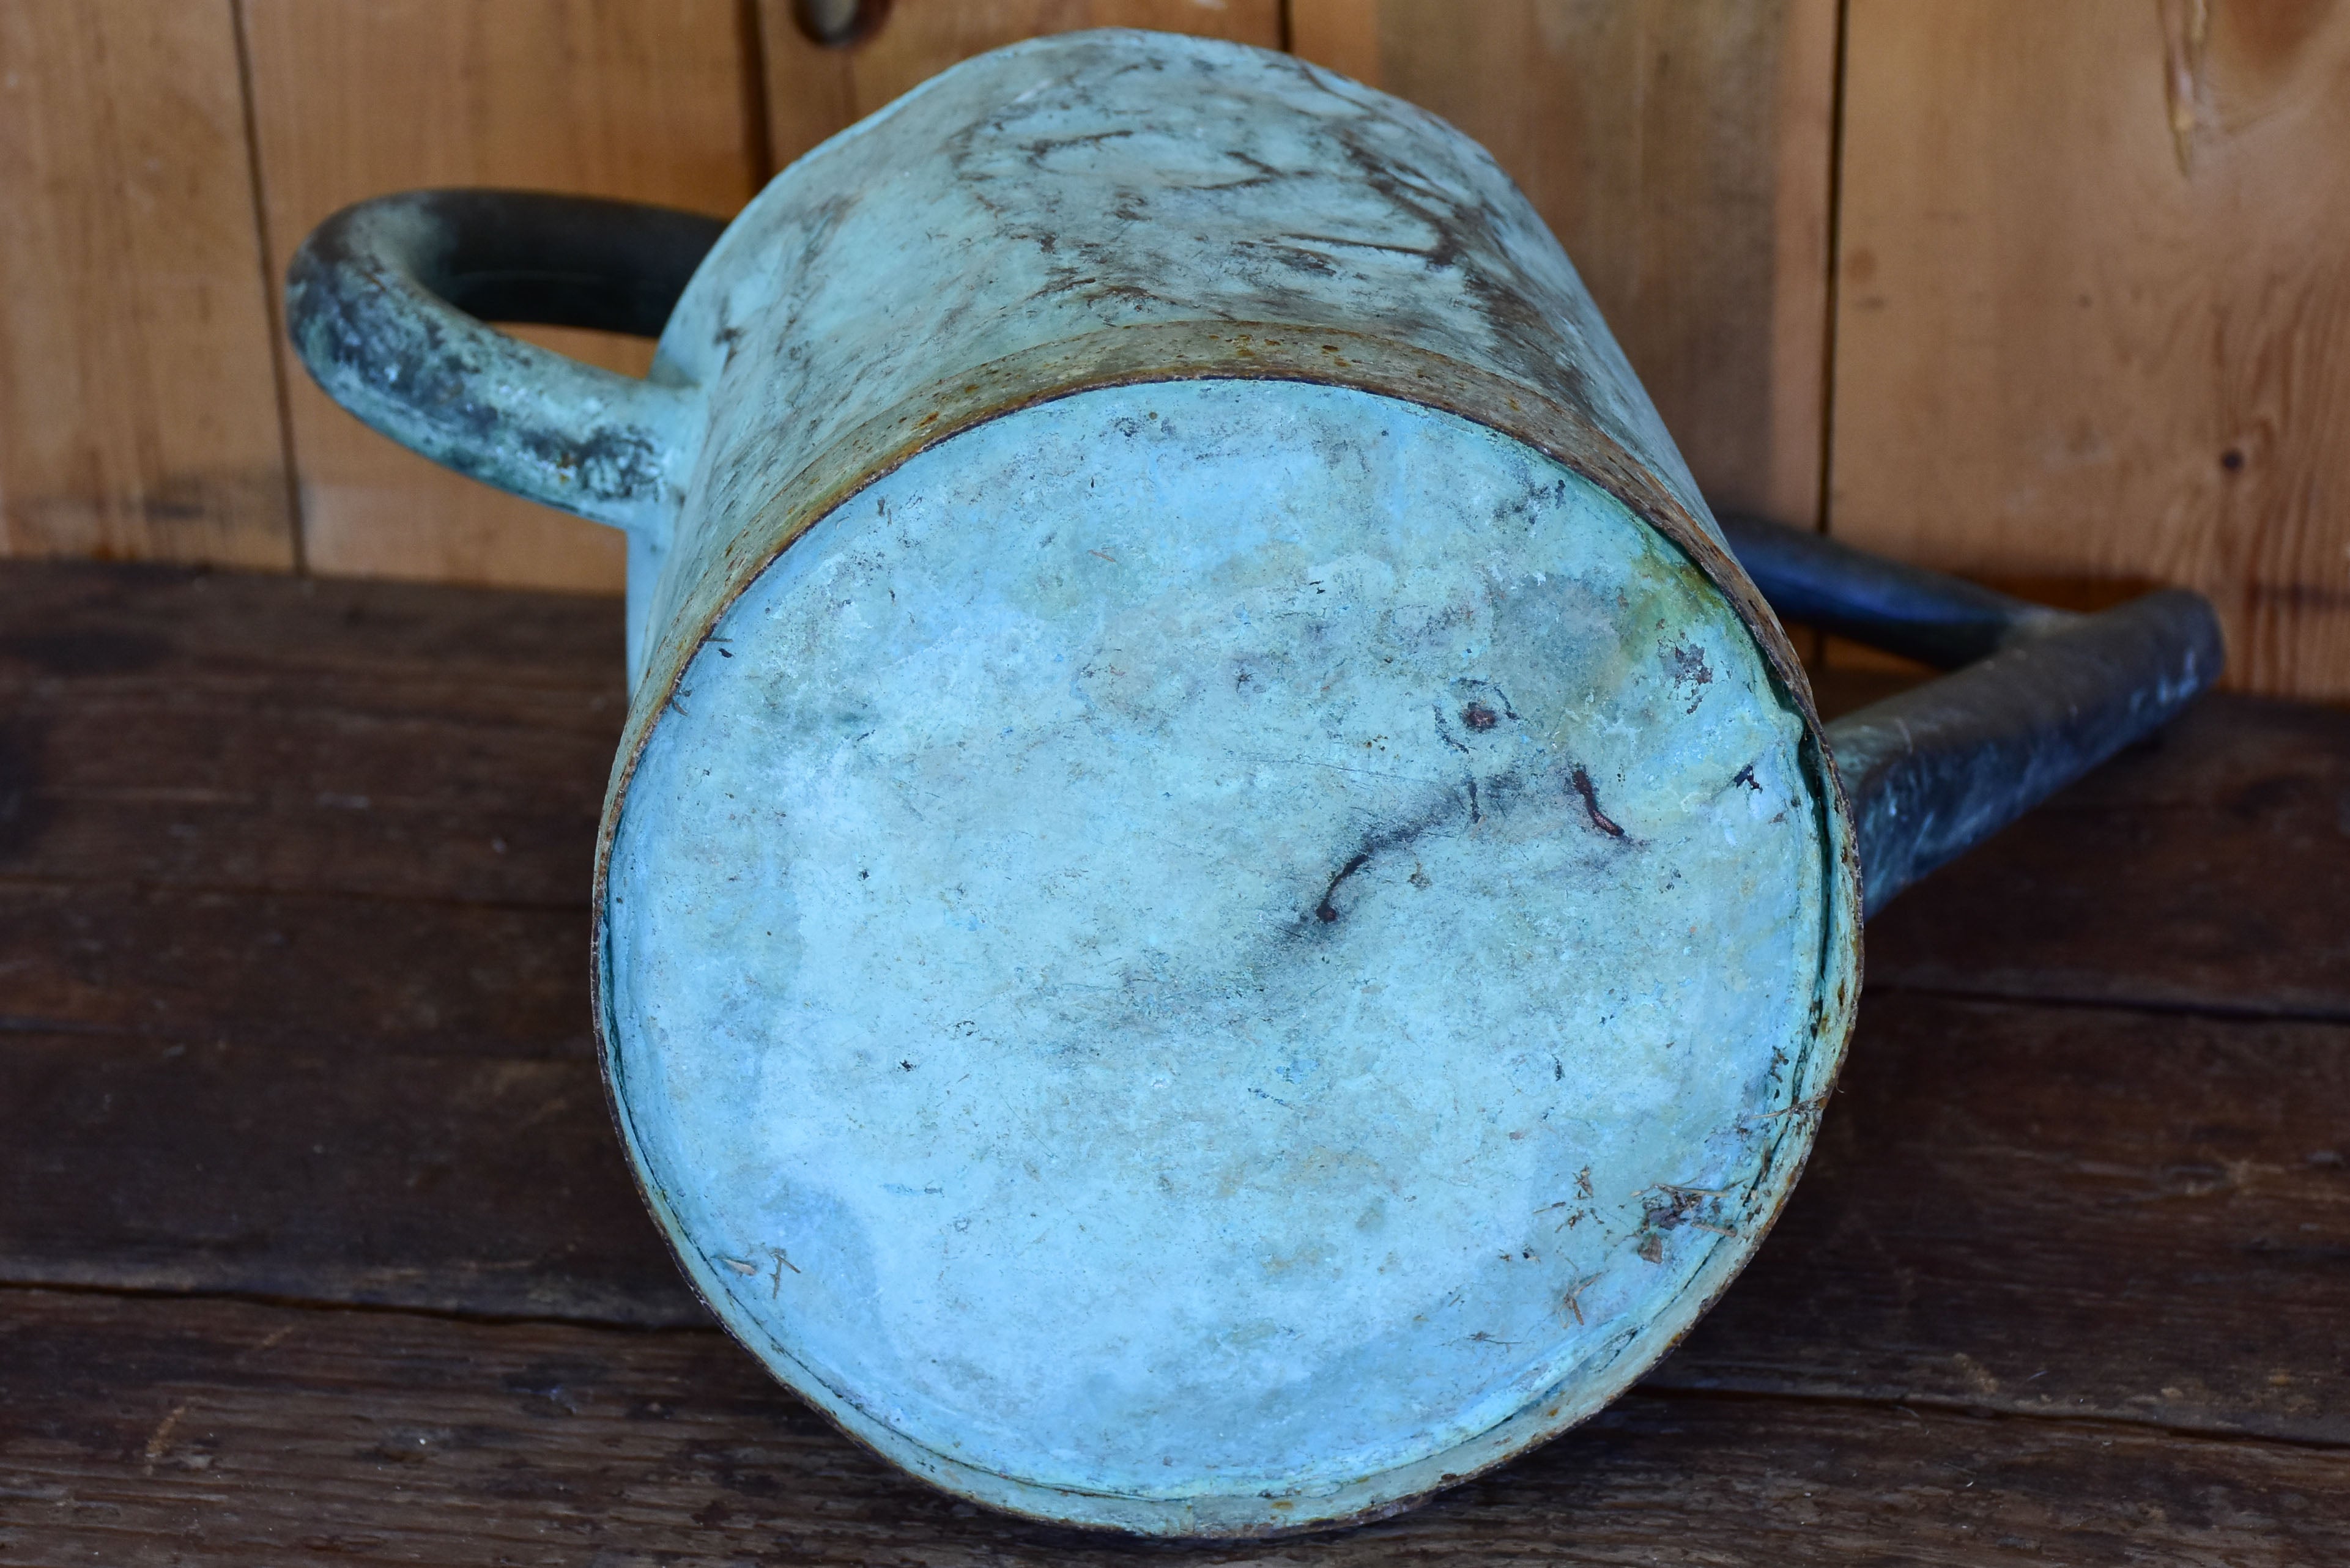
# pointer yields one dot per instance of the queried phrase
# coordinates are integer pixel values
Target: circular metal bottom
(1209, 957)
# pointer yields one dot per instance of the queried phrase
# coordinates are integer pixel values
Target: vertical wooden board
(139, 411)
(919, 39)
(813, 89)
(810, 93)
(358, 98)
(2094, 318)
(1680, 150)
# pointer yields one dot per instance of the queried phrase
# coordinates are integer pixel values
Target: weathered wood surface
(139, 411)
(1997, 1188)
(310, 747)
(2074, 1232)
(122, 961)
(2081, 1211)
(647, 102)
(2208, 870)
(143, 1431)
(464, 1185)
(2091, 317)
(2084, 326)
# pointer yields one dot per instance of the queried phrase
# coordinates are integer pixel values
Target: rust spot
(1477, 716)
(1326, 911)
(1690, 673)
(1599, 819)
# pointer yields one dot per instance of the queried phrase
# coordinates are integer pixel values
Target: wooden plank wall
(1680, 150)
(2092, 323)
(139, 407)
(610, 97)
(2050, 295)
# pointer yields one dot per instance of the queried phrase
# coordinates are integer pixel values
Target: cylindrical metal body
(1220, 907)
(1240, 728)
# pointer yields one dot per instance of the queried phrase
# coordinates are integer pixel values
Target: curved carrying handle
(2040, 697)
(385, 302)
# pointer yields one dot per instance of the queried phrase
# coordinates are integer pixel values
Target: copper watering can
(1223, 903)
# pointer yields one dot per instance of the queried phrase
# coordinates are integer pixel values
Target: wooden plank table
(315, 1238)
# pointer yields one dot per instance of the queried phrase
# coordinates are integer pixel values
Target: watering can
(1222, 903)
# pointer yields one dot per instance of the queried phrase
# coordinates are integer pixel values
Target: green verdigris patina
(1208, 955)
(1219, 907)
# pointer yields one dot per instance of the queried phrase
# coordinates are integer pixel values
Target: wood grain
(1997, 1187)
(139, 405)
(647, 102)
(214, 735)
(2092, 323)
(159, 1432)
(473, 1183)
(2207, 871)
(213, 976)
(352, 794)
(2084, 1253)
(815, 89)
(1680, 150)
(2089, 1213)
(68, 621)
(123, 960)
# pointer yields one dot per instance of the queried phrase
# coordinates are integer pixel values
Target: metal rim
(1270, 352)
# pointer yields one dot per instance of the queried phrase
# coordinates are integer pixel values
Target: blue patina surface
(1218, 908)
(1219, 951)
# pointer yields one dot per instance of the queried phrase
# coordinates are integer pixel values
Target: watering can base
(1181, 947)
(1209, 958)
